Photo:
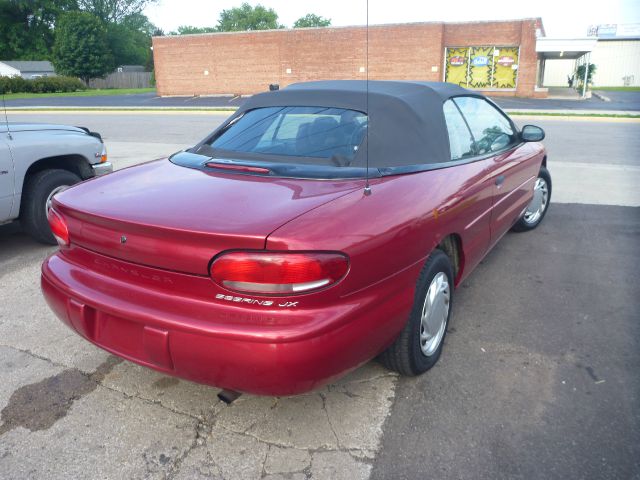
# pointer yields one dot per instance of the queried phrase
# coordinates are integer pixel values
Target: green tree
(114, 11)
(130, 40)
(580, 74)
(140, 23)
(189, 30)
(128, 46)
(81, 47)
(26, 27)
(246, 17)
(312, 20)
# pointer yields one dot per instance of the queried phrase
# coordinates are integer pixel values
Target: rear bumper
(266, 352)
(102, 168)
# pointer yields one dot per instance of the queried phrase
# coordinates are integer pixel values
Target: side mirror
(531, 133)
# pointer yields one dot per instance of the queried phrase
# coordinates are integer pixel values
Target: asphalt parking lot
(538, 378)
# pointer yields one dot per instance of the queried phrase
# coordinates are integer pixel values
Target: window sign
(456, 65)
(480, 61)
(505, 70)
(484, 68)
(481, 68)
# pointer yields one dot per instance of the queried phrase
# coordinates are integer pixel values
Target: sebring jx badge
(254, 301)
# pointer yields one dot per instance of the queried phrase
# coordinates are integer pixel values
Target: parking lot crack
(35, 355)
(333, 430)
(149, 401)
(259, 438)
(264, 462)
(202, 430)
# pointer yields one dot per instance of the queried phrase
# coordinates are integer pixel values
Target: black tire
(37, 188)
(405, 355)
(522, 225)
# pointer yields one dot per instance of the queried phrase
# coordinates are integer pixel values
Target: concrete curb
(551, 112)
(602, 97)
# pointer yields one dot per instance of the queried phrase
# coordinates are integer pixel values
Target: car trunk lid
(176, 218)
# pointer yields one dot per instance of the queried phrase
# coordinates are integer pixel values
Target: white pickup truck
(39, 160)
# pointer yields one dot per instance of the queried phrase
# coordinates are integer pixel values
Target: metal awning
(564, 48)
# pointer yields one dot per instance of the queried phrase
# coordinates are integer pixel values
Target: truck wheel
(38, 190)
(419, 345)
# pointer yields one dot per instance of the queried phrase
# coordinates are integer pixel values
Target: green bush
(13, 84)
(40, 85)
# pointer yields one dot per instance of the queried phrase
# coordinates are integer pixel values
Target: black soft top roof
(406, 121)
(385, 87)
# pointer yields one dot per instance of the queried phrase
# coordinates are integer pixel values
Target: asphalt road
(538, 378)
(625, 101)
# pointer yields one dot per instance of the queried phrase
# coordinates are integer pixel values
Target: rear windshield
(330, 135)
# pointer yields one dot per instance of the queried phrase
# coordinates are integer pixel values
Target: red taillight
(278, 273)
(58, 227)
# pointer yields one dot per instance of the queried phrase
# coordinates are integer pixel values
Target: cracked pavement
(67, 400)
(528, 386)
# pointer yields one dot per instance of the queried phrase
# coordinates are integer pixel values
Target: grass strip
(81, 93)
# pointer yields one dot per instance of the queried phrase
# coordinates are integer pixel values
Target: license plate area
(121, 336)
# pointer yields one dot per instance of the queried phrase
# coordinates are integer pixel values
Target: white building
(26, 69)
(616, 55)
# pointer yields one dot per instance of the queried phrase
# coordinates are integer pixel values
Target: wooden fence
(122, 80)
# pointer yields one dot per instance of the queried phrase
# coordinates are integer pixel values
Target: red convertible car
(318, 227)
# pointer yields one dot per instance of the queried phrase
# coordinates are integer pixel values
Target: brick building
(498, 57)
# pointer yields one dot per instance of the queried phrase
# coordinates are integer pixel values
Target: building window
(482, 68)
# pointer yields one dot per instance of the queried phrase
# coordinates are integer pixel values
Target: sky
(561, 18)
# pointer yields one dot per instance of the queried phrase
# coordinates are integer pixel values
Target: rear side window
(331, 134)
(491, 130)
(460, 139)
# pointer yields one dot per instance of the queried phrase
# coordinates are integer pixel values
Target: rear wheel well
(544, 161)
(452, 246)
